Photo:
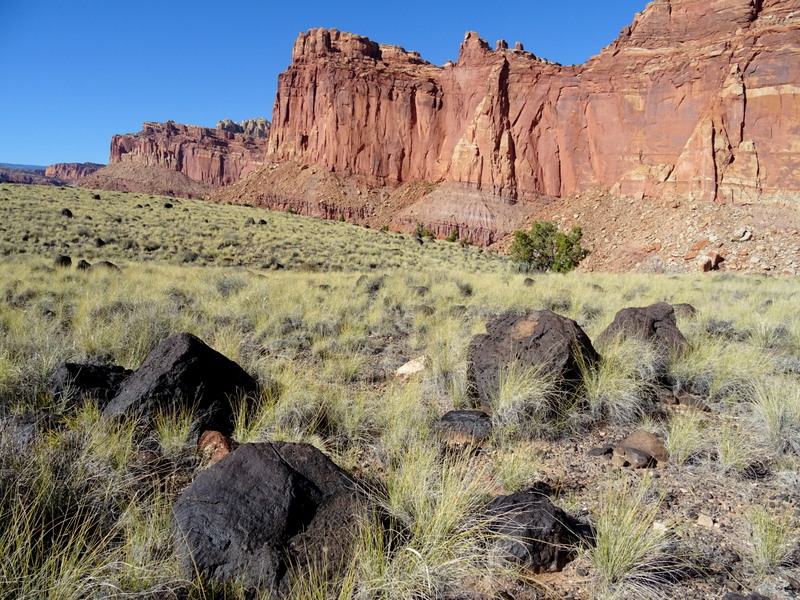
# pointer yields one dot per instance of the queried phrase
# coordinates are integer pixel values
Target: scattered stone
(261, 509)
(742, 235)
(684, 310)
(694, 401)
(631, 458)
(184, 371)
(79, 381)
(262, 222)
(601, 451)
(420, 290)
(82, 265)
(703, 520)
(65, 212)
(62, 261)
(648, 443)
(463, 428)
(100, 242)
(213, 445)
(168, 205)
(705, 264)
(412, 367)
(542, 340)
(527, 282)
(654, 323)
(249, 221)
(533, 532)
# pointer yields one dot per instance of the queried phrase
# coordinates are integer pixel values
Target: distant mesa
(32, 176)
(72, 171)
(213, 157)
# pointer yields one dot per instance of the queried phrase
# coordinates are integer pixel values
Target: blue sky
(75, 73)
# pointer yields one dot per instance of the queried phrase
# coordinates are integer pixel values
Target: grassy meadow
(323, 313)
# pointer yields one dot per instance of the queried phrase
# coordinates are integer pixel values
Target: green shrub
(545, 248)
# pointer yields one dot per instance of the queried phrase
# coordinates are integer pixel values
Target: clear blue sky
(75, 73)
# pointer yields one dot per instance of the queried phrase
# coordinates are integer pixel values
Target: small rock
(213, 445)
(62, 261)
(693, 401)
(412, 367)
(463, 427)
(82, 265)
(703, 520)
(632, 458)
(647, 443)
(65, 212)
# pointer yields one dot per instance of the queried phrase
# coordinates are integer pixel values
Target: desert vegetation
(86, 501)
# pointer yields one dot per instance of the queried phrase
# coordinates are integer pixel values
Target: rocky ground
(675, 237)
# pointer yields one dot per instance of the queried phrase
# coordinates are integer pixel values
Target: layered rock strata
(697, 99)
(71, 171)
(212, 156)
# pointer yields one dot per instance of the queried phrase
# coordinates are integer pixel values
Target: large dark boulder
(184, 371)
(554, 345)
(532, 532)
(655, 324)
(262, 509)
(99, 382)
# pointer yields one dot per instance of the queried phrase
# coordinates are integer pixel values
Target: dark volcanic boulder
(543, 340)
(100, 382)
(654, 323)
(184, 371)
(262, 508)
(531, 531)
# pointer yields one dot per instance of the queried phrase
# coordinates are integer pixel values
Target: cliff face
(72, 171)
(211, 156)
(697, 99)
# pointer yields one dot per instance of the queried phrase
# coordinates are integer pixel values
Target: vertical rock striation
(698, 99)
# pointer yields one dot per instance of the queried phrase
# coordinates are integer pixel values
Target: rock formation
(212, 156)
(697, 99)
(72, 171)
(144, 179)
(253, 127)
(28, 176)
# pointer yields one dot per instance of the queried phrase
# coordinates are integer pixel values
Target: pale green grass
(618, 389)
(685, 435)
(776, 410)
(773, 536)
(324, 336)
(631, 554)
(524, 403)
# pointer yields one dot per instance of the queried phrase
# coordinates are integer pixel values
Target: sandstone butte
(697, 100)
(213, 156)
(71, 171)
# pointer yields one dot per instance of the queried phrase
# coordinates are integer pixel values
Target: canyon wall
(211, 156)
(697, 99)
(71, 171)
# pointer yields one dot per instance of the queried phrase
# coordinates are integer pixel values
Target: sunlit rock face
(696, 99)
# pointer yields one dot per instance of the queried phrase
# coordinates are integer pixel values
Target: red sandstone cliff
(211, 156)
(697, 99)
(72, 171)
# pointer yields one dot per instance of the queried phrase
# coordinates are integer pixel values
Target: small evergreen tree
(545, 248)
